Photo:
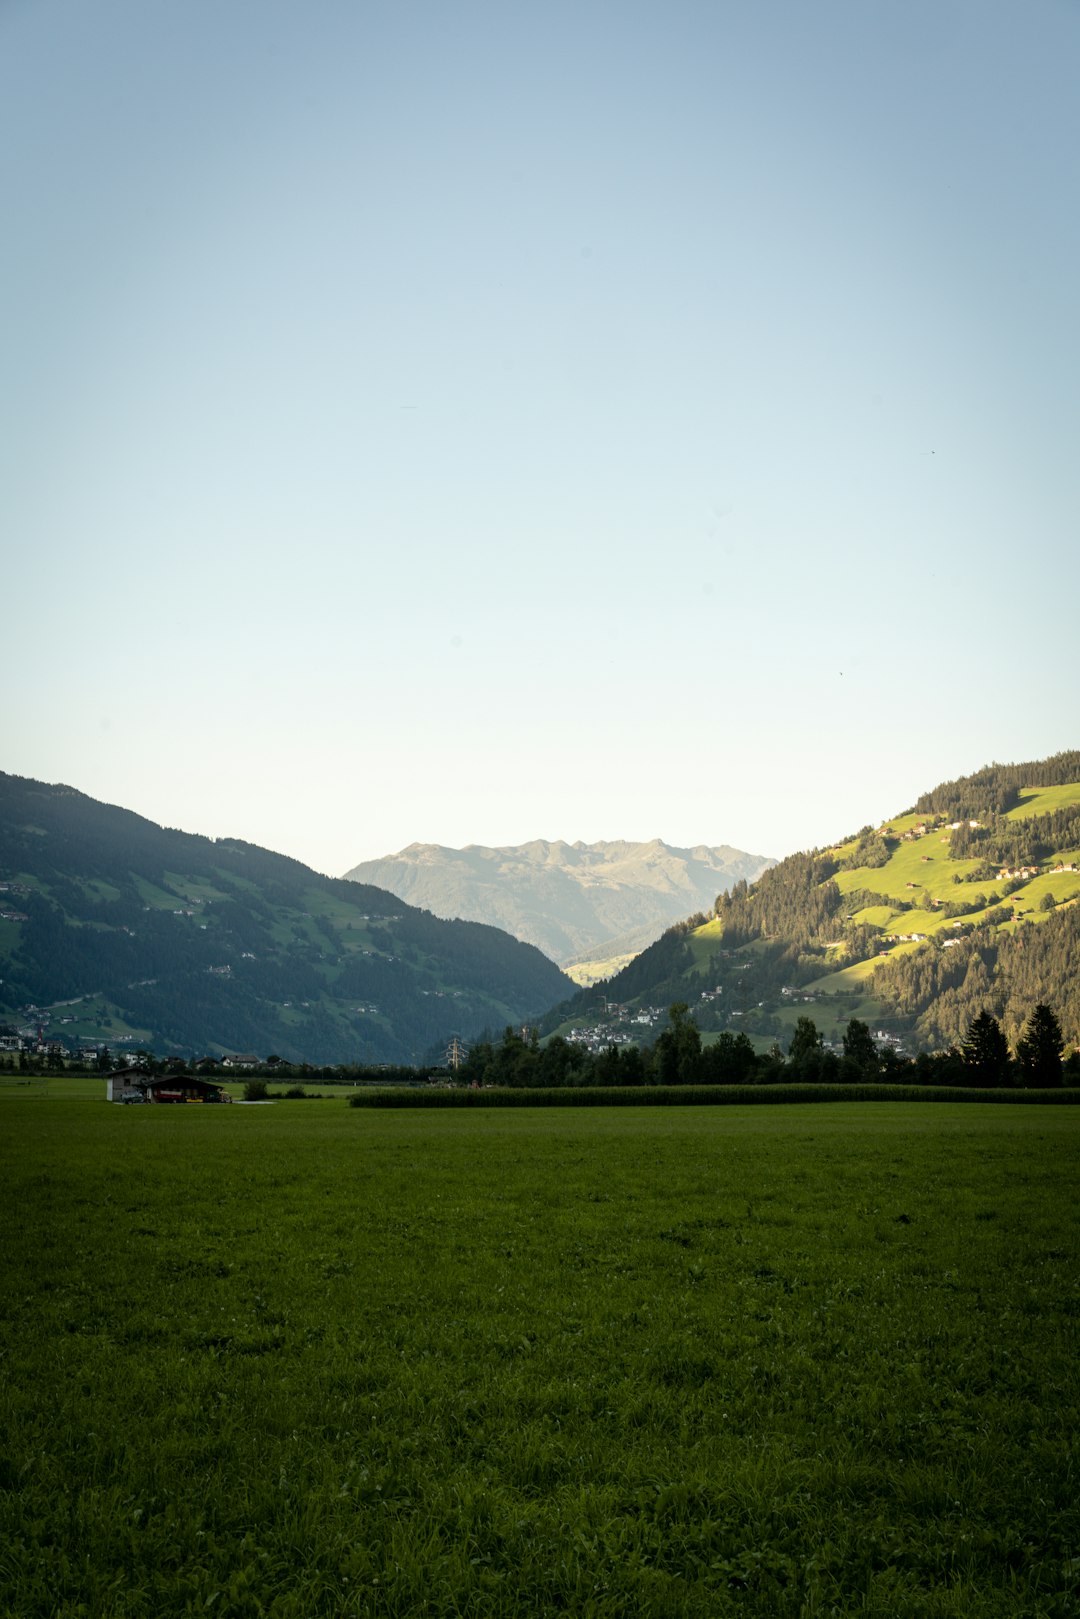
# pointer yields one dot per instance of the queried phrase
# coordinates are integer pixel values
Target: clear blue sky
(477, 422)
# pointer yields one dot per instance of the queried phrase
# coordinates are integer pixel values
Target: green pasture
(925, 863)
(917, 921)
(98, 889)
(1044, 800)
(856, 978)
(845, 980)
(897, 825)
(195, 890)
(703, 943)
(152, 895)
(308, 1362)
(877, 916)
(1064, 885)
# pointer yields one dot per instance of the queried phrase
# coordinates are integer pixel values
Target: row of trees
(679, 1057)
(982, 1058)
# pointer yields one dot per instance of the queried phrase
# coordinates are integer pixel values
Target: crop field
(308, 1360)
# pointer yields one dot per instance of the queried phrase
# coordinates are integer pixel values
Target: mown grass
(748, 1361)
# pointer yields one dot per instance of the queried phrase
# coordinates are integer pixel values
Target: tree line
(679, 1056)
(996, 788)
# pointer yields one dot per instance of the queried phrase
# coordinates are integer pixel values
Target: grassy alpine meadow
(310, 1360)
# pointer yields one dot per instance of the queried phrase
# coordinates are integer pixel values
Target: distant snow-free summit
(576, 901)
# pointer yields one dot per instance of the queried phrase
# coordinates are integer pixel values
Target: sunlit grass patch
(1044, 800)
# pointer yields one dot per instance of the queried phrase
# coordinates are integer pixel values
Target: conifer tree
(1039, 1049)
(986, 1051)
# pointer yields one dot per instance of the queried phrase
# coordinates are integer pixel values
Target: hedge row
(698, 1095)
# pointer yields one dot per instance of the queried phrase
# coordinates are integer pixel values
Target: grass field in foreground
(318, 1361)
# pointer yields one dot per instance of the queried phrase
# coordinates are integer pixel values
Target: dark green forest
(1005, 973)
(205, 946)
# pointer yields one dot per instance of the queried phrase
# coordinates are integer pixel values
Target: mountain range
(576, 902)
(116, 930)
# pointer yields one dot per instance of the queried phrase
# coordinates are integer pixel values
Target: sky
(476, 422)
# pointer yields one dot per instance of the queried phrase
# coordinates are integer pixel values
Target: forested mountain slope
(572, 900)
(969, 901)
(115, 929)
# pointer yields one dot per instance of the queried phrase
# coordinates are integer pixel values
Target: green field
(313, 1361)
(1044, 800)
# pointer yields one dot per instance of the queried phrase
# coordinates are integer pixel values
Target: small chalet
(124, 1085)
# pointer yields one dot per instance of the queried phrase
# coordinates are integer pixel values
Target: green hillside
(969, 900)
(113, 929)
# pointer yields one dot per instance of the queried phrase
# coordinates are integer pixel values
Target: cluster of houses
(596, 1038)
(8, 914)
(922, 829)
(617, 1030)
(1011, 873)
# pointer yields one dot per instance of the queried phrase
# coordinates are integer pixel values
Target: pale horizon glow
(477, 424)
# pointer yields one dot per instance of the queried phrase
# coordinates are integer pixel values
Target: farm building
(126, 1086)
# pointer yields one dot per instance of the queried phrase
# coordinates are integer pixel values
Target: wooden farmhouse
(125, 1085)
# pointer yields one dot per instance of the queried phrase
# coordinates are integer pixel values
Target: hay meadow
(305, 1360)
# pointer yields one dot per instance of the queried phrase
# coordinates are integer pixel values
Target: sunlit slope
(970, 899)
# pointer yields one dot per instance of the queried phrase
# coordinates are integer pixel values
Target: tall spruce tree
(986, 1051)
(1039, 1048)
